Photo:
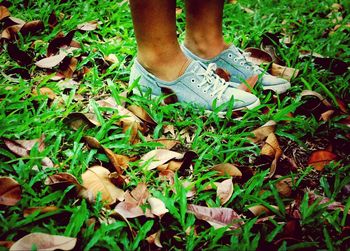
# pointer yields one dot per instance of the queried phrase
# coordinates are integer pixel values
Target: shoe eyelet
(211, 95)
(230, 55)
(248, 67)
(204, 91)
(235, 59)
(241, 63)
(193, 80)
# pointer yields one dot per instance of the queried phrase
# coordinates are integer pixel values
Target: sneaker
(198, 85)
(233, 60)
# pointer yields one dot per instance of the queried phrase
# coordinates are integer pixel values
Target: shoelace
(241, 56)
(213, 82)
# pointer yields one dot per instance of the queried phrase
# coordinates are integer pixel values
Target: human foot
(198, 85)
(233, 60)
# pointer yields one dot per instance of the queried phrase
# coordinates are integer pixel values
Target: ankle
(164, 67)
(206, 48)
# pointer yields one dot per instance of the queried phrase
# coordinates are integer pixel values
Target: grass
(27, 116)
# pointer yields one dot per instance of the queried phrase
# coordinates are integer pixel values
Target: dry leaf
(111, 58)
(4, 12)
(225, 169)
(45, 242)
(23, 147)
(76, 119)
(21, 57)
(92, 142)
(326, 116)
(10, 191)
(258, 210)
(118, 161)
(155, 239)
(284, 187)
(45, 91)
(32, 210)
(68, 67)
(167, 143)
(317, 95)
(129, 210)
(248, 85)
(141, 113)
(272, 149)
(217, 217)
(60, 41)
(62, 181)
(262, 132)
(10, 33)
(6, 244)
(224, 191)
(51, 61)
(88, 26)
(283, 71)
(258, 56)
(32, 27)
(96, 179)
(320, 158)
(159, 157)
(157, 206)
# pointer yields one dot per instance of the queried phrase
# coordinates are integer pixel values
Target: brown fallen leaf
(51, 61)
(96, 180)
(45, 91)
(141, 113)
(224, 74)
(21, 57)
(76, 120)
(29, 211)
(167, 143)
(44, 242)
(248, 85)
(92, 142)
(10, 191)
(119, 162)
(217, 217)
(139, 194)
(258, 210)
(53, 21)
(262, 132)
(68, 67)
(32, 27)
(317, 95)
(227, 169)
(4, 12)
(59, 42)
(284, 187)
(155, 239)
(224, 191)
(157, 206)
(283, 71)
(320, 158)
(129, 210)
(88, 26)
(159, 157)
(23, 147)
(326, 116)
(272, 149)
(257, 56)
(62, 181)
(111, 58)
(11, 32)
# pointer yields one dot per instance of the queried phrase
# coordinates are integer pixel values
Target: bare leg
(155, 29)
(204, 27)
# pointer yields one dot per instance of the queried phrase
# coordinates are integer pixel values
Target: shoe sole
(279, 89)
(208, 112)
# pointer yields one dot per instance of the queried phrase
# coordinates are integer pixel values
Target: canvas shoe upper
(198, 85)
(234, 61)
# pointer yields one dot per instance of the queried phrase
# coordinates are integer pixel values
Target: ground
(76, 145)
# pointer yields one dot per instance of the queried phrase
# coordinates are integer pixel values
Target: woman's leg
(204, 27)
(155, 29)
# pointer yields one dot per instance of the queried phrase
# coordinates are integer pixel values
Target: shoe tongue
(195, 67)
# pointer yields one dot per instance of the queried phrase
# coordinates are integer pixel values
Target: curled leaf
(224, 191)
(159, 157)
(217, 217)
(32, 27)
(262, 132)
(157, 206)
(29, 211)
(96, 180)
(4, 12)
(283, 71)
(10, 191)
(88, 26)
(272, 149)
